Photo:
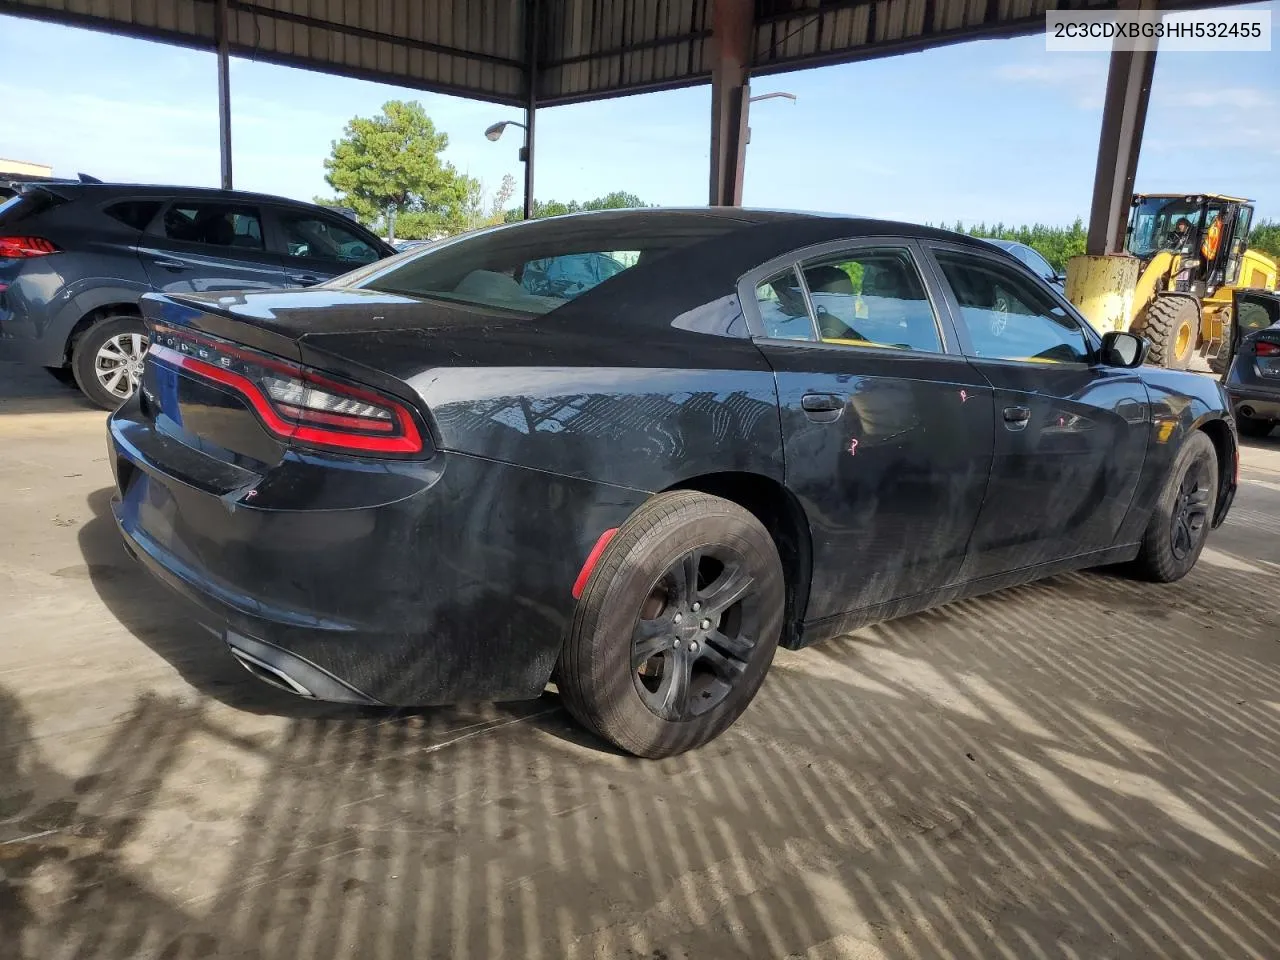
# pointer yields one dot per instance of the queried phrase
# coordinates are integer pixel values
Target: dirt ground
(1087, 767)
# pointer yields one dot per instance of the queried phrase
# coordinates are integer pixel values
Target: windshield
(1163, 223)
(534, 268)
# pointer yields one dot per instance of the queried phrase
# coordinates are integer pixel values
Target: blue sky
(993, 130)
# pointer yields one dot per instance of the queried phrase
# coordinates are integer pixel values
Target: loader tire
(1173, 327)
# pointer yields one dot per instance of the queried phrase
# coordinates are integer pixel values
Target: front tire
(1173, 327)
(677, 626)
(107, 360)
(1180, 523)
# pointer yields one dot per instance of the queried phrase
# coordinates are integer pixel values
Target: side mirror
(1123, 349)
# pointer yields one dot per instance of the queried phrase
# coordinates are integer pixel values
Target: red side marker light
(592, 559)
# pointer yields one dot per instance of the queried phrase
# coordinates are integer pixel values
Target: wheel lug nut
(693, 646)
(705, 625)
(677, 618)
(696, 606)
(677, 644)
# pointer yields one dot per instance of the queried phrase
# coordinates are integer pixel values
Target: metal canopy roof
(584, 50)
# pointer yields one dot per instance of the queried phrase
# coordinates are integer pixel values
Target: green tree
(388, 168)
(618, 200)
(1055, 244)
(1265, 237)
(500, 199)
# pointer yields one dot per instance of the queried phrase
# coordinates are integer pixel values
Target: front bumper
(453, 583)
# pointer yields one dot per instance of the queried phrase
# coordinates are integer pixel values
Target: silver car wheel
(118, 364)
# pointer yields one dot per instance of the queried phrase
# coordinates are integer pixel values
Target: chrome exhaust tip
(269, 674)
(290, 672)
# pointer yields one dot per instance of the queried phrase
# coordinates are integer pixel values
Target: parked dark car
(75, 259)
(1253, 379)
(434, 479)
(1036, 263)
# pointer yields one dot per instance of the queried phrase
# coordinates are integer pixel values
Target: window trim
(949, 342)
(1093, 340)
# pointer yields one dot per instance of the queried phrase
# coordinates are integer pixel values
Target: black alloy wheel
(1183, 516)
(695, 633)
(677, 625)
(1190, 512)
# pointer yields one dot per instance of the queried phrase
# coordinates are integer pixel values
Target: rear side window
(783, 311)
(26, 204)
(214, 224)
(134, 213)
(872, 298)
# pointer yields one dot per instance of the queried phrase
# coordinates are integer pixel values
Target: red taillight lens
(20, 248)
(294, 402)
(1265, 348)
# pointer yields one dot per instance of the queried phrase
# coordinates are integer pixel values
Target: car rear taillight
(295, 403)
(1267, 363)
(20, 248)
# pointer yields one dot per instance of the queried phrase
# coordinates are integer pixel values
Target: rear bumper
(367, 581)
(270, 663)
(1249, 400)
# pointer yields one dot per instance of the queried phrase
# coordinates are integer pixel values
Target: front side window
(214, 224)
(1163, 223)
(308, 237)
(1008, 316)
(872, 298)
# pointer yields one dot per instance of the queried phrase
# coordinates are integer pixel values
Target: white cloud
(1081, 77)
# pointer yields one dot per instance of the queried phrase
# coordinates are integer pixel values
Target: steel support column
(224, 94)
(531, 103)
(1124, 114)
(732, 23)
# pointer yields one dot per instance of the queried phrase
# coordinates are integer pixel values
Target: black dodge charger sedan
(634, 451)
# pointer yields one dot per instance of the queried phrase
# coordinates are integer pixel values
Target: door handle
(822, 407)
(306, 279)
(1017, 417)
(169, 264)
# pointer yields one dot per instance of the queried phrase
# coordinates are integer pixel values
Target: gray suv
(75, 259)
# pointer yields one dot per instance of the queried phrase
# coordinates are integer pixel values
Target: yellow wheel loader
(1190, 257)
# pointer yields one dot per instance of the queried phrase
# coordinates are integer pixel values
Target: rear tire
(107, 360)
(677, 626)
(63, 375)
(1173, 326)
(1253, 428)
(1180, 523)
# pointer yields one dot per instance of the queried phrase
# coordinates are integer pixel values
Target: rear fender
(78, 306)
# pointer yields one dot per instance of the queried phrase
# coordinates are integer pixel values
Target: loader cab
(1207, 232)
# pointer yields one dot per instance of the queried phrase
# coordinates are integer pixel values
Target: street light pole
(746, 128)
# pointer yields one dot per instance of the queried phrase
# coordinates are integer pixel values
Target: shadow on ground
(28, 389)
(1085, 767)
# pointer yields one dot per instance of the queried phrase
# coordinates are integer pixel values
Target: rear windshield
(534, 268)
(24, 205)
